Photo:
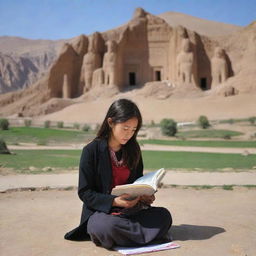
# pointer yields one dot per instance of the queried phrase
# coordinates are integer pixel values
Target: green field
(188, 160)
(207, 133)
(204, 143)
(64, 159)
(17, 135)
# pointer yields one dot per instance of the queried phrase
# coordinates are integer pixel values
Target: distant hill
(201, 26)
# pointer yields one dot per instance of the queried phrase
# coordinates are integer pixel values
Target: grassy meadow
(44, 136)
(64, 160)
(34, 161)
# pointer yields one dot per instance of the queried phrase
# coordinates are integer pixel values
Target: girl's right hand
(124, 201)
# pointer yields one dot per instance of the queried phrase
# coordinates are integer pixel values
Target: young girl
(114, 158)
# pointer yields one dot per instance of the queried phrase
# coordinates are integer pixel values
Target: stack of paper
(147, 248)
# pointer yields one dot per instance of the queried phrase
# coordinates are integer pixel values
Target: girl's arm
(87, 185)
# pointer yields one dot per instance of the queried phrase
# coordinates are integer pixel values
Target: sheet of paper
(147, 248)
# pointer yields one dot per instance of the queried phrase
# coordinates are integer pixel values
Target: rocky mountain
(24, 61)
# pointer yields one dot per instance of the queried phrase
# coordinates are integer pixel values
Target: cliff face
(23, 62)
(17, 72)
(146, 49)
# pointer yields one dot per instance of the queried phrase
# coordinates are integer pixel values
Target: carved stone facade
(146, 49)
(219, 67)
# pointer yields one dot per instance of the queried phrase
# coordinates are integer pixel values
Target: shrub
(27, 122)
(252, 120)
(230, 121)
(168, 127)
(3, 147)
(86, 128)
(203, 122)
(60, 124)
(47, 124)
(227, 137)
(4, 124)
(76, 126)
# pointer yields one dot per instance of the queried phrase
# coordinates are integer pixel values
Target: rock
(245, 153)
(32, 168)
(47, 169)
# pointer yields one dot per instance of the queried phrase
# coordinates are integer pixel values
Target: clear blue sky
(59, 19)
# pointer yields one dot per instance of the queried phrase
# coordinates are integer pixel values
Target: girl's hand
(147, 199)
(125, 201)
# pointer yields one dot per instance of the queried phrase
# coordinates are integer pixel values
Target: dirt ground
(206, 222)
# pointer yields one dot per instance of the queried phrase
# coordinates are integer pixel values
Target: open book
(145, 185)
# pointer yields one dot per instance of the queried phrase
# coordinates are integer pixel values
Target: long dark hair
(120, 111)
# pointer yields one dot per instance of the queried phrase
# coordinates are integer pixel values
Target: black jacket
(94, 188)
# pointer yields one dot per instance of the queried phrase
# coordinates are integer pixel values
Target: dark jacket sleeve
(89, 191)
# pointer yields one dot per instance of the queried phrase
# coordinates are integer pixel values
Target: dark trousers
(141, 228)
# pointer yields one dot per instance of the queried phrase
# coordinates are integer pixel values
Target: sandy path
(206, 223)
(64, 180)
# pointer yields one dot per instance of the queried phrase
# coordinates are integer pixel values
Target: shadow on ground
(185, 232)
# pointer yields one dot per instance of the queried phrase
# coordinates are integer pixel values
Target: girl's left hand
(147, 199)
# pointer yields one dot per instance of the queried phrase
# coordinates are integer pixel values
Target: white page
(146, 248)
(150, 178)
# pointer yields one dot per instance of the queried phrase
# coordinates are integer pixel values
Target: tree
(4, 124)
(168, 127)
(203, 122)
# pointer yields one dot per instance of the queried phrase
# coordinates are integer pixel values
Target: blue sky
(59, 19)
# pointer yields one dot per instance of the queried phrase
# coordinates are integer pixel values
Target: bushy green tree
(4, 124)
(168, 127)
(203, 122)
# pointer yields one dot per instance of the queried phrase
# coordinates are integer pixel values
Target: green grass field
(64, 159)
(17, 135)
(205, 143)
(207, 133)
(188, 160)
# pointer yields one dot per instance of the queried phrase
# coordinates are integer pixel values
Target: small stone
(228, 169)
(245, 153)
(32, 168)
(47, 169)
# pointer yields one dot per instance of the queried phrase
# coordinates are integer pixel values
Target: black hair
(120, 111)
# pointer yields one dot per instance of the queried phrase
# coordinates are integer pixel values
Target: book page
(152, 178)
(146, 248)
(133, 189)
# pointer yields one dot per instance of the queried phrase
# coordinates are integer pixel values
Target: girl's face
(122, 132)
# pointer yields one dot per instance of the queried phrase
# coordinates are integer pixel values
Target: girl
(114, 158)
